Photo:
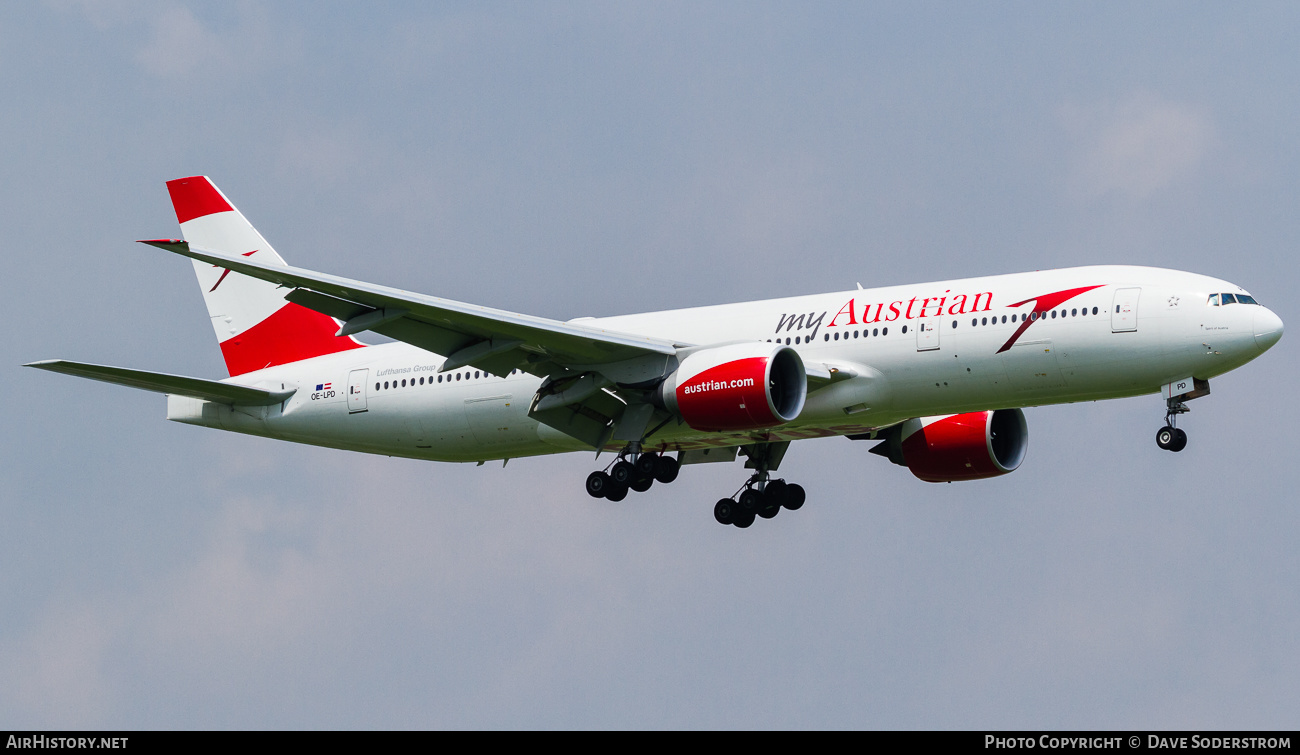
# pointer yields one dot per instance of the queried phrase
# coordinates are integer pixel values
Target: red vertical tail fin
(254, 324)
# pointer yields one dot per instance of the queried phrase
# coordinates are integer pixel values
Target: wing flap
(590, 420)
(160, 382)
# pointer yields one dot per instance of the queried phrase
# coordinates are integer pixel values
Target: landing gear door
(1123, 313)
(927, 336)
(357, 391)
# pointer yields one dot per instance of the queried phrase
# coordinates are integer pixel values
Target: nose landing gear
(1176, 394)
(1169, 437)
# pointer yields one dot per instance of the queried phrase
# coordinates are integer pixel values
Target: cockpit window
(1226, 299)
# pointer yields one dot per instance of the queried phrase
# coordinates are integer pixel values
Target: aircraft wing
(159, 382)
(491, 339)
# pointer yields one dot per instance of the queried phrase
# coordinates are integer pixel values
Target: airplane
(935, 374)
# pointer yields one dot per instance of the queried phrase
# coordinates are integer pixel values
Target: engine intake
(745, 386)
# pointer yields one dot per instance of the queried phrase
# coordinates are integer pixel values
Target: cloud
(169, 40)
(328, 156)
(281, 581)
(56, 671)
(179, 44)
(102, 14)
(248, 591)
(1136, 148)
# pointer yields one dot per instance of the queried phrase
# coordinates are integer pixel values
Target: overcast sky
(571, 159)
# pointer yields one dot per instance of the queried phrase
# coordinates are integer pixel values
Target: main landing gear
(758, 497)
(638, 474)
(1169, 437)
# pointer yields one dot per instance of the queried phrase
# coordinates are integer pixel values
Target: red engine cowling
(965, 446)
(743, 386)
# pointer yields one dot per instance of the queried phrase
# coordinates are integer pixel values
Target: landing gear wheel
(666, 469)
(724, 510)
(616, 492)
(623, 473)
(750, 502)
(1167, 436)
(642, 484)
(794, 497)
(598, 484)
(743, 519)
(773, 497)
(1180, 441)
(646, 464)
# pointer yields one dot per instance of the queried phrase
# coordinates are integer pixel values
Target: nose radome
(1268, 328)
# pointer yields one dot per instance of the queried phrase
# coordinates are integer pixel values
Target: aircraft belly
(500, 419)
(1033, 366)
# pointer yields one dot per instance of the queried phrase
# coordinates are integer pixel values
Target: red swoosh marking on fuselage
(227, 272)
(1042, 305)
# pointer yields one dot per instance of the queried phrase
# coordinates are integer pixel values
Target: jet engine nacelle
(968, 446)
(743, 386)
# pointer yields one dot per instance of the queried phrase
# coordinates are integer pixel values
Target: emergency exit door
(1124, 310)
(357, 391)
(927, 336)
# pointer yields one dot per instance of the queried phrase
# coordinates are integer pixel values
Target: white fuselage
(899, 352)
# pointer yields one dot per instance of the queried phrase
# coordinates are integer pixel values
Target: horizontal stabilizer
(208, 390)
(172, 245)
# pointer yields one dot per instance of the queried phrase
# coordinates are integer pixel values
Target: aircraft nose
(1268, 328)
